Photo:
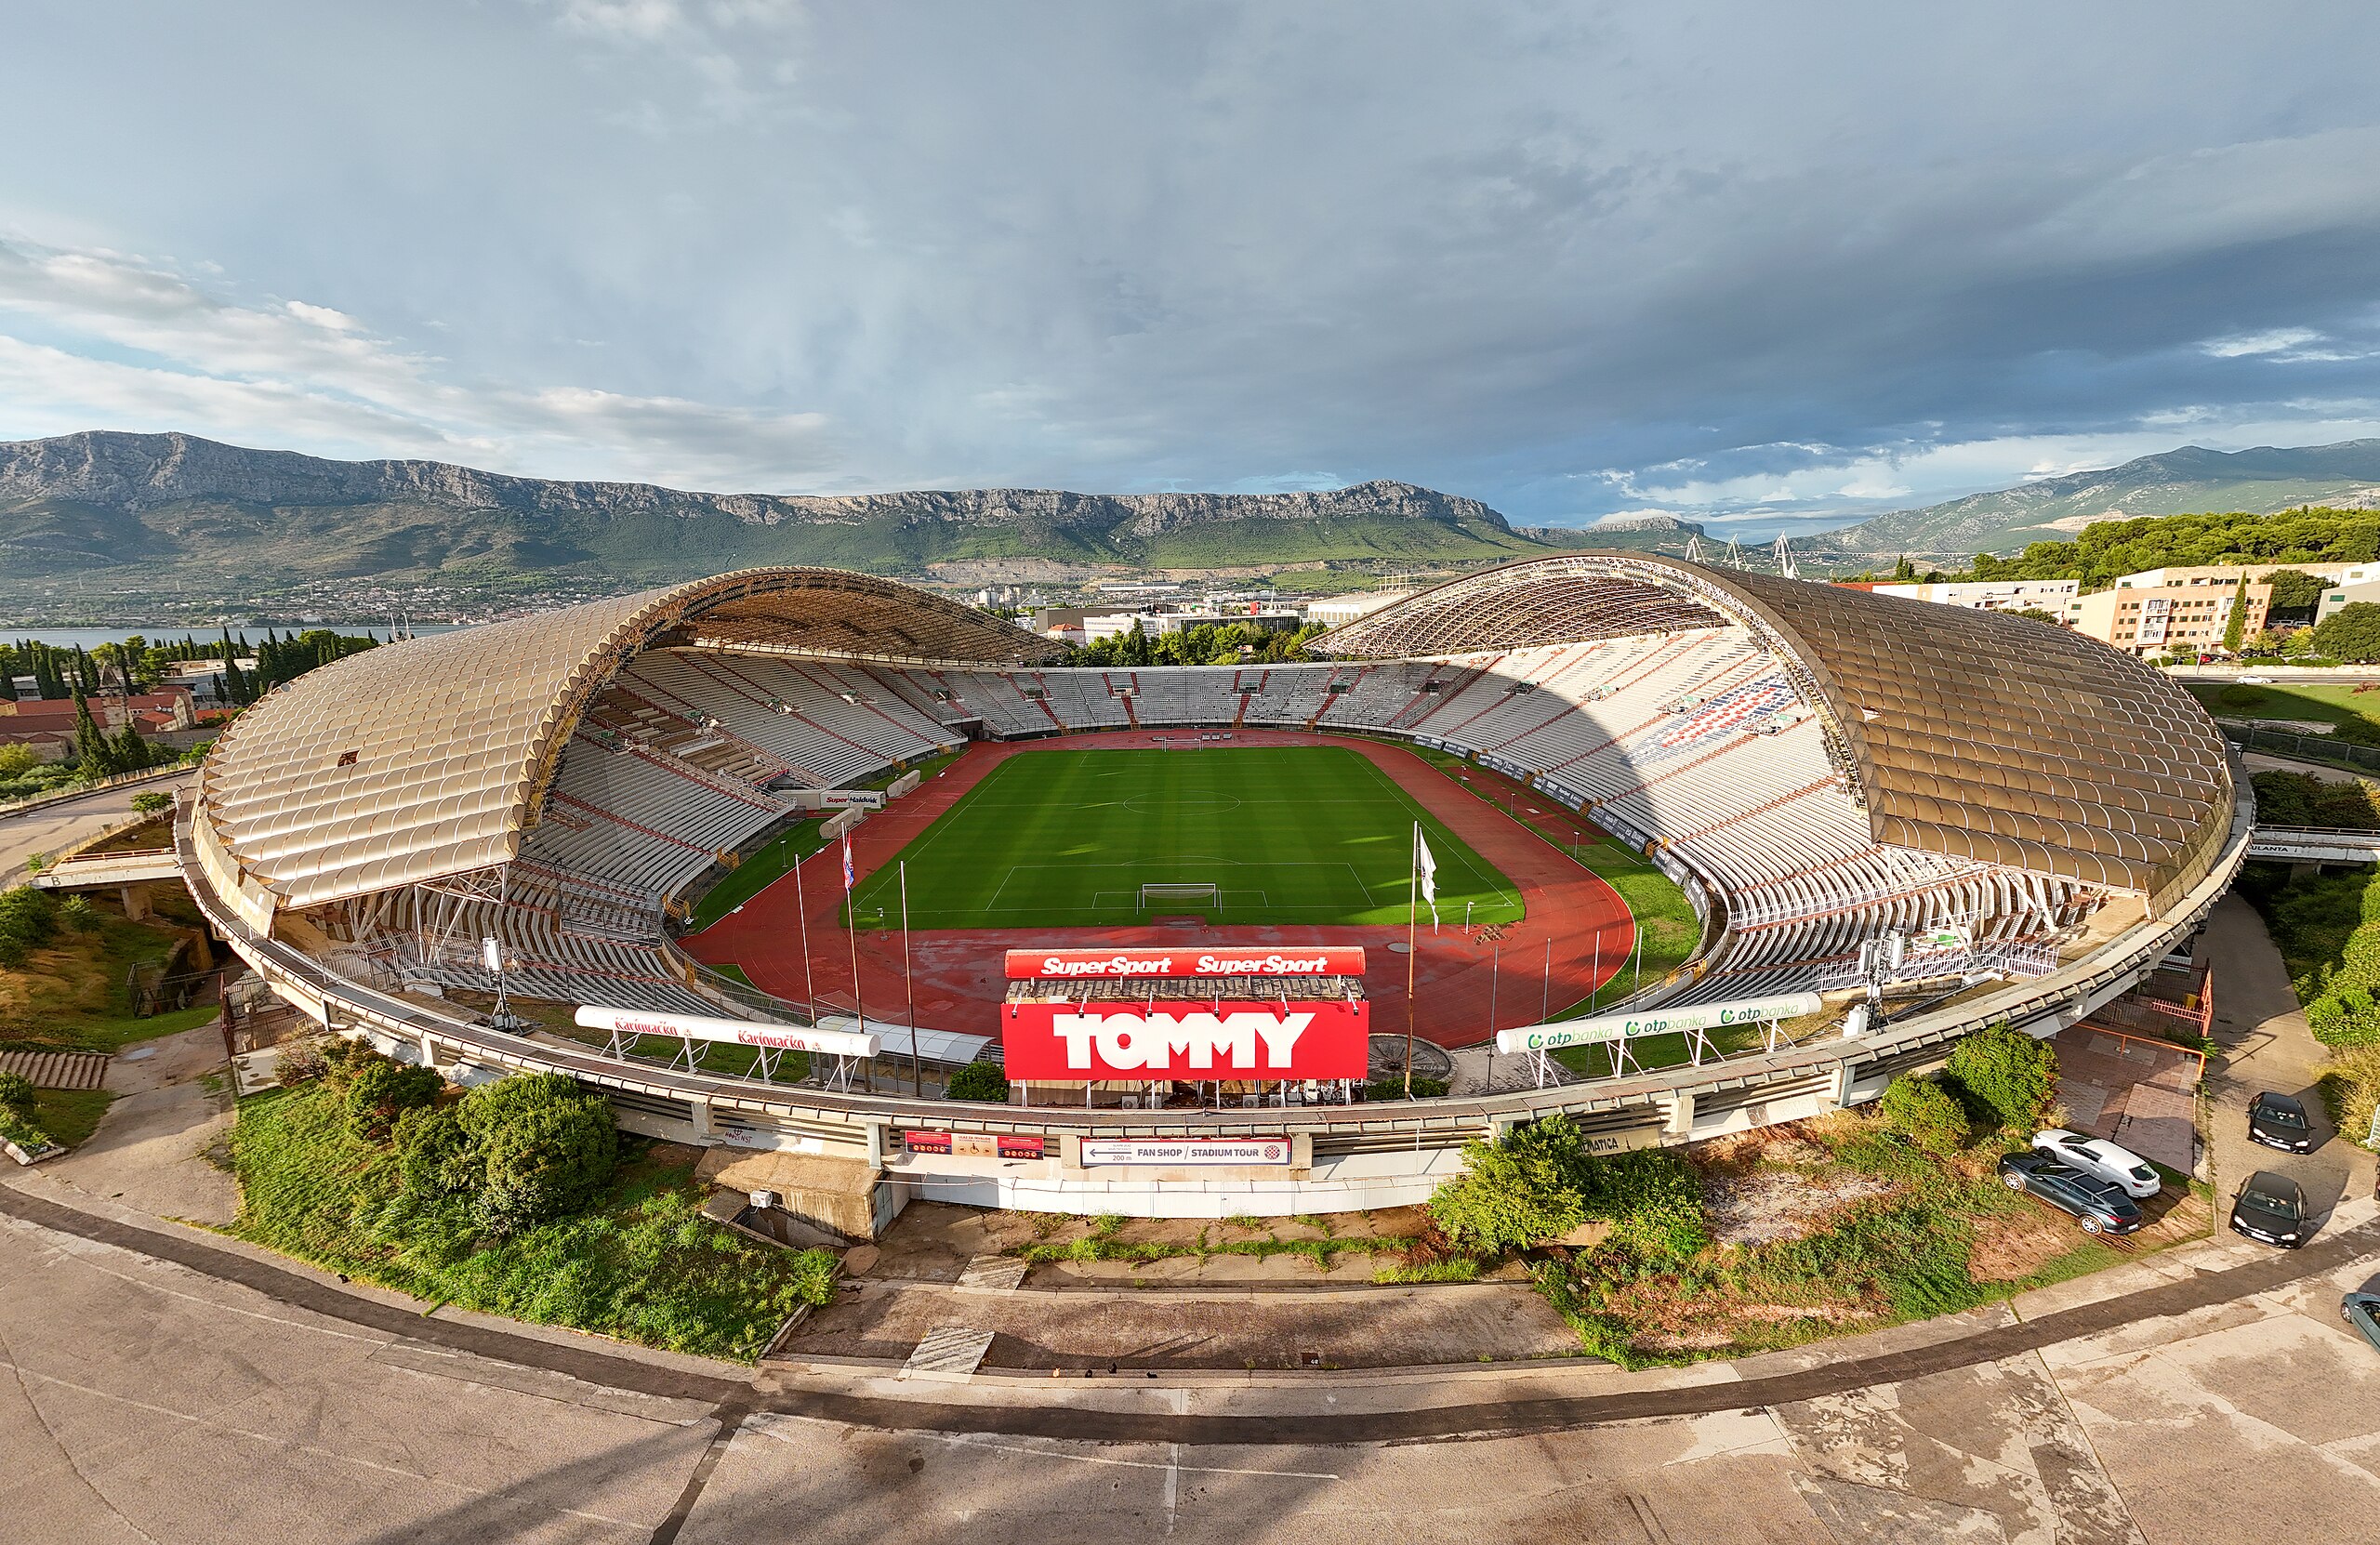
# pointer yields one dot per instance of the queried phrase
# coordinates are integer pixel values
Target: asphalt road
(2265, 1046)
(143, 1400)
(52, 828)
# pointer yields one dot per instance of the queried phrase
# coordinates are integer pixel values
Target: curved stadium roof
(429, 759)
(1966, 733)
(1969, 733)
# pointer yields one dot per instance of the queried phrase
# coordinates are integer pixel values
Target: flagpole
(908, 978)
(850, 929)
(1412, 938)
(809, 973)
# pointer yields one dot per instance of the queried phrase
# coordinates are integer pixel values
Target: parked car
(2270, 1207)
(2100, 1206)
(2278, 1121)
(2096, 1156)
(2256, 680)
(2361, 1312)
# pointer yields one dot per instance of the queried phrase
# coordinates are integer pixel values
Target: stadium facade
(1822, 769)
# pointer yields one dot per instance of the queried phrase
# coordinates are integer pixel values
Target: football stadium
(780, 859)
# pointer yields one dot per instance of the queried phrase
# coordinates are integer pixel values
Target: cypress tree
(128, 752)
(91, 747)
(232, 684)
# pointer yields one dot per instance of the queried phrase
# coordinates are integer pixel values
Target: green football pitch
(1283, 834)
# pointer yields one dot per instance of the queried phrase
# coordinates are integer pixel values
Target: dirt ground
(1775, 1183)
(1369, 1327)
(958, 980)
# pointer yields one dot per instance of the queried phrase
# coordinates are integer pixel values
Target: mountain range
(86, 506)
(2189, 480)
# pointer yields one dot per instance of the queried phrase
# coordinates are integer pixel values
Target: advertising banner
(735, 1032)
(851, 799)
(974, 1144)
(1095, 965)
(1234, 1151)
(1090, 1042)
(1658, 1022)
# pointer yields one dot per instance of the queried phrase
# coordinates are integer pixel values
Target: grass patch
(70, 1115)
(641, 1263)
(1668, 931)
(761, 868)
(1067, 839)
(73, 992)
(2310, 701)
(1894, 1235)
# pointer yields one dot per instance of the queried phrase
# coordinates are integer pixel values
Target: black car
(2270, 1207)
(2361, 1312)
(2278, 1121)
(2100, 1206)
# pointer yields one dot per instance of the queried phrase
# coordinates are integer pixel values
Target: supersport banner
(1112, 965)
(1084, 1042)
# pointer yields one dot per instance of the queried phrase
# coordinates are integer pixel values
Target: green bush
(77, 913)
(978, 1081)
(28, 921)
(2006, 1073)
(1925, 1112)
(2346, 1016)
(1652, 1199)
(381, 1091)
(17, 1095)
(2236, 696)
(435, 1156)
(1526, 1186)
(1394, 1089)
(2350, 1086)
(546, 1145)
(22, 1131)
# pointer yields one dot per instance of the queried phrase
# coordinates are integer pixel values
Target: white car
(2096, 1156)
(2256, 680)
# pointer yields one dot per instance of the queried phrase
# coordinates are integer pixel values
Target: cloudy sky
(1567, 259)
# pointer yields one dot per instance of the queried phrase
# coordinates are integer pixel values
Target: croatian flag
(847, 880)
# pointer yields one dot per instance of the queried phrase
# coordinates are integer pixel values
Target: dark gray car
(2270, 1207)
(2278, 1121)
(2361, 1312)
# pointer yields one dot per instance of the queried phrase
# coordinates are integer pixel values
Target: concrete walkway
(2265, 1046)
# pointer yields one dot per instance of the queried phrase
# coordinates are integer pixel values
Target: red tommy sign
(1303, 1038)
(1111, 965)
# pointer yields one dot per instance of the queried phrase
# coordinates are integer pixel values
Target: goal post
(1201, 892)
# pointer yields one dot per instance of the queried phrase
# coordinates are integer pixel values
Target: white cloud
(2278, 340)
(134, 344)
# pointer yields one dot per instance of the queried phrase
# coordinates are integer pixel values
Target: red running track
(960, 985)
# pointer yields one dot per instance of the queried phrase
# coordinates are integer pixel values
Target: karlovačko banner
(1658, 1022)
(1078, 965)
(1085, 1042)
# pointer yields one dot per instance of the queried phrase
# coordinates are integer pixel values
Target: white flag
(1426, 863)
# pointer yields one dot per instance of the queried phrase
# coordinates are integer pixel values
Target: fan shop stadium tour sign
(1051, 1034)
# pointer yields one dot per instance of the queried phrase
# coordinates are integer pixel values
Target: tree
(92, 749)
(2005, 1073)
(150, 802)
(547, 1145)
(2295, 594)
(978, 1081)
(1924, 1112)
(232, 685)
(1527, 1185)
(2351, 633)
(2234, 627)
